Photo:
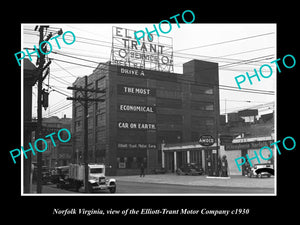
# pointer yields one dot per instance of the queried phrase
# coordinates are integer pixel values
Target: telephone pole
(42, 97)
(84, 102)
(41, 62)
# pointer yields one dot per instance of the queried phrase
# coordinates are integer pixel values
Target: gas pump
(209, 165)
(224, 167)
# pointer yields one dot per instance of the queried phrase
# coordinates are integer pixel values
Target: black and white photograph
(173, 115)
(141, 113)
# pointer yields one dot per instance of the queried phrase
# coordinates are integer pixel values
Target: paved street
(145, 188)
(174, 184)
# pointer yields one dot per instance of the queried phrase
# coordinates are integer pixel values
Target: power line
(60, 109)
(218, 58)
(224, 87)
(64, 69)
(56, 89)
(78, 64)
(221, 67)
(223, 42)
(253, 50)
(74, 57)
(60, 80)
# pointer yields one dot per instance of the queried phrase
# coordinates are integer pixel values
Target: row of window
(196, 121)
(163, 103)
(131, 162)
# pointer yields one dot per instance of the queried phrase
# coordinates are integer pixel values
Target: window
(204, 106)
(168, 119)
(129, 136)
(202, 123)
(100, 119)
(166, 85)
(78, 111)
(77, 125)
(169, 103)
(96, 170)
(168, 94)
(131, 162)
(197, 89)
(100, 83)
(169, 136)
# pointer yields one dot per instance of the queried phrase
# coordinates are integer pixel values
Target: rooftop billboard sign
(155, 53)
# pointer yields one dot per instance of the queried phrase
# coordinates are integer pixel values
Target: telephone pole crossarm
(85, 99)
(86, 89)
(84, 102)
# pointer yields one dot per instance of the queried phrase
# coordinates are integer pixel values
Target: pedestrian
(224, 166)
(142, 170)
(247, 168)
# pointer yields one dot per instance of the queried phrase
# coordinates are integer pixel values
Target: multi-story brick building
(61, 153)
(143, 109)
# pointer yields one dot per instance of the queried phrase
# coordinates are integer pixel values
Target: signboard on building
(206, 140)
(136, 108)
(133, 90)
(247, 145)
(145, 74)
(135, 146)
(136, 125)
(154, 54)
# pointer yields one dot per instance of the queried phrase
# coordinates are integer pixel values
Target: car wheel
(113, 189)
(90, 188)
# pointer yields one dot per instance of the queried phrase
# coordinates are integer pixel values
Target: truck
(96, 178)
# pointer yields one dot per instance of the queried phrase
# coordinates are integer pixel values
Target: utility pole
(42, 98)
(41, 62)
(85, 138)
(84, 102)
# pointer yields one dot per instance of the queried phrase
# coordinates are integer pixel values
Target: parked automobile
(159, 171)
(59, 173)
(261, 170)
(45, 175)
(189, 169)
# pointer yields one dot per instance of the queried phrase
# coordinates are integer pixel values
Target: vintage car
(159, 170)
(59, 173)
(96, 179)
(189, 169)
(260, 170)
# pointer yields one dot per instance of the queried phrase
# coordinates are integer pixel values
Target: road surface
(144, 188)
(129, 187)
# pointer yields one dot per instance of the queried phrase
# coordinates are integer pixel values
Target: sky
(229, 45)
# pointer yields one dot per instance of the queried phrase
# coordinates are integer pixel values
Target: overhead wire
(228, 41)
(225, 67)
(225, 87)
(229, 64)
(179, 51)
(219, 59)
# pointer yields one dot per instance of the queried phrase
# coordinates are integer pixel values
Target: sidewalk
(50, 189)
(233, 181)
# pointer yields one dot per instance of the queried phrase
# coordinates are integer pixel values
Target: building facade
(249, 136)
(143, 109)
(61, 153)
